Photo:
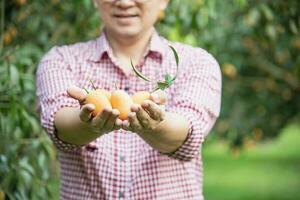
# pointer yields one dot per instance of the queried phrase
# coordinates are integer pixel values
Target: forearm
(169, 135)
(71, 129)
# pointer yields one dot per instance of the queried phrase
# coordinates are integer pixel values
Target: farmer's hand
(144, 118)
(102, 123)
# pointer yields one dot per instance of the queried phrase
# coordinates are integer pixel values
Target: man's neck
(129, 48)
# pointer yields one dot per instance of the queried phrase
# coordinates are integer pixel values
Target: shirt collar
(156, 44)
(102, 47)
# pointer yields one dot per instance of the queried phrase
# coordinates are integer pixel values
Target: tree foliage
(257, 44)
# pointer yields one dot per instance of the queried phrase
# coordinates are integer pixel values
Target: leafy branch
(169, 79)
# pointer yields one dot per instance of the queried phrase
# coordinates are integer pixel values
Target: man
(155, 153)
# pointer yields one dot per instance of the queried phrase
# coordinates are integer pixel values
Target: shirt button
(126, 88)
(122, 158)
(121, 195)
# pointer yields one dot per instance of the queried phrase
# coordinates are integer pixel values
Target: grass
(269, 170)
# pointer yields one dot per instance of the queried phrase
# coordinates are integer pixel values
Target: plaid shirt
(120, 165)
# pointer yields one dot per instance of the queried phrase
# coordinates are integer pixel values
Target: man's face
(129, 18)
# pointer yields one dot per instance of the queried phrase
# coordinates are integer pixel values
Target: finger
(110, 123)
(159, 97)
(143, 118)
(86, 112)
(134, 123)
(155, 111)
(134, 107)
(118, 124)
(126, 125)
(77, 93)
(101, 118)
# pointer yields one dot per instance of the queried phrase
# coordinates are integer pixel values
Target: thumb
(86, 112)
(159, 97)
(77, 93)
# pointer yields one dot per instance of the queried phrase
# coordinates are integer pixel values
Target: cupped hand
(103, 122)
(144, 118)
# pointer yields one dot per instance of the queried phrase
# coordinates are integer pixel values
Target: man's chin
(128, 33)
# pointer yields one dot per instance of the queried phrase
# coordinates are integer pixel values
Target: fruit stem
(116, 83)
(93, 85)
(154, 90)
(177, 61)
(138, 73)
(168, 78)
(86, 90)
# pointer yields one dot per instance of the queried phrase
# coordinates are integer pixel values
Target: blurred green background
(253, 151)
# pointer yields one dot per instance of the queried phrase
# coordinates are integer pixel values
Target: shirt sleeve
(54, 76)
(197, 97)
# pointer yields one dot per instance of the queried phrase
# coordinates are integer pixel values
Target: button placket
(127, 85)
(122, 158)
(126, 88)
(121, 195)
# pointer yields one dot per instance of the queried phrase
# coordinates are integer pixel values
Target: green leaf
(14, 75)
(25, 177)
(138, 73)
(177, 61)
(35, 128)
(168, 78)
(175, 54)
(162, 85)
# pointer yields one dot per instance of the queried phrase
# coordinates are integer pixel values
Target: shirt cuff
(198, 125)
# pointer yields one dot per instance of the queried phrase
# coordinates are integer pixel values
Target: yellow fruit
(105, 92)
(21, 2)
(141, 96)
(7, 38)
(2, 195)
(122, 101)
(99, 100)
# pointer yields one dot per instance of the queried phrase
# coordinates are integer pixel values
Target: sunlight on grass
(268, 171)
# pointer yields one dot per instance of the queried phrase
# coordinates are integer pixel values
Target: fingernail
(91, 107)
(118, 122)
(115, 112)
(125, 123)
(145, 104)
(134, 107)
(131, 114)
(107, 109)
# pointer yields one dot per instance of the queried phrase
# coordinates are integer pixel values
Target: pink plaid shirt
(120, 165)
